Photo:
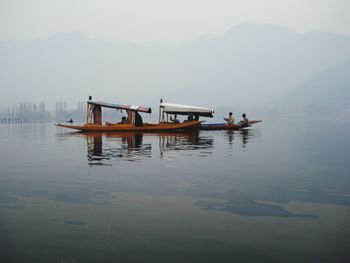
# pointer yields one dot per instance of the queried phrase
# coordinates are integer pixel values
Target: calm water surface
(279, 192)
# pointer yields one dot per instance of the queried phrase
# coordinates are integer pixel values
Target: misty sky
(166, 21)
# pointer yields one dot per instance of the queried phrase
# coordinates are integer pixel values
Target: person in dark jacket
(245, 121)
(138, 119)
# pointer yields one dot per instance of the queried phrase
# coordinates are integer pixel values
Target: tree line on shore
(27, 112)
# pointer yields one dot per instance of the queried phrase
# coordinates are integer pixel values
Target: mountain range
(250, 65)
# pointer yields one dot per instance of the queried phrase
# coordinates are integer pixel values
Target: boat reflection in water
(102, 147)
(106, 148)
(186, 141)
(243, 135)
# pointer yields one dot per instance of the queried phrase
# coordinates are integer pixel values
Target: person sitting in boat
(123, 121)
(245, 121)
(230, 120)
(138, 119)
(174, 120)
(189, 118)
(196, 118)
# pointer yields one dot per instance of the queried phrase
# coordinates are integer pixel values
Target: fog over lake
(249, 66)
(275, 191)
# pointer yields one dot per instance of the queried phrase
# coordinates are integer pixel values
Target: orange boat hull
(130, 127)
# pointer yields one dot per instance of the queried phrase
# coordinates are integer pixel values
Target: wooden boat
(225, 126)
(132, 123)
(196, 112)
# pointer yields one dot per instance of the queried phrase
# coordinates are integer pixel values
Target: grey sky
(169, 21)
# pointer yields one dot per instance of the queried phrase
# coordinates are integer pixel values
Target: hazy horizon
(211, 53)
(164, 21)
(259, 62)
(155, 43)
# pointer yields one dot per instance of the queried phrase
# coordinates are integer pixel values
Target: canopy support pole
(160, 110)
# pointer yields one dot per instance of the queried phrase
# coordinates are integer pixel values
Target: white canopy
(186, 109)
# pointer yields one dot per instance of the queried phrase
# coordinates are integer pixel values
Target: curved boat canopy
(179, 109)
(120, 106)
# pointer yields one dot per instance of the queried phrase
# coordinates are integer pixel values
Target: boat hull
(131, 128)
(225, 126)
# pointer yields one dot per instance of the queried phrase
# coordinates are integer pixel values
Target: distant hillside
(248, 65)
(328, 91)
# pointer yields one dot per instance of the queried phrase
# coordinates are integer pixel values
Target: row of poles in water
(13, 120)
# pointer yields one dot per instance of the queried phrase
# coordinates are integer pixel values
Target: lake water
(278, 192)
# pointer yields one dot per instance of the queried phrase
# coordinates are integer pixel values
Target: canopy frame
(94, 111)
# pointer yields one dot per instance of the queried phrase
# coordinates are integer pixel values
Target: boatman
(245, 121)
(230, 120)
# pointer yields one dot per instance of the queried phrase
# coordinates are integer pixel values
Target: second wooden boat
(225, 126)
